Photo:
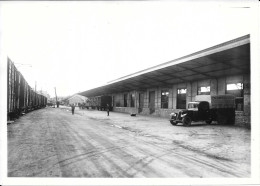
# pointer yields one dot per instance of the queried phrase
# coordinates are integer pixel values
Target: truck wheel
(186, 121)
(173, 122)
(209, 121)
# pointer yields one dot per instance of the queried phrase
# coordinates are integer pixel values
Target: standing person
(72, 109)
(107, 109)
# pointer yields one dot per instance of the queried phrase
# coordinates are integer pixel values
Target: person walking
(107, 109)
(72, 109)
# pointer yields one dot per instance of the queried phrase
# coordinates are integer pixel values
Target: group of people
(73, 109)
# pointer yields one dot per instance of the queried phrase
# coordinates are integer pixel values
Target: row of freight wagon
(21, 98)
(99, 103)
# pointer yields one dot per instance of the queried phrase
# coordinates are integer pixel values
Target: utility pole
(57, 103)
(35, 92)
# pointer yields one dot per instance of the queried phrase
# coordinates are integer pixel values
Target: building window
(125, 100)
(181, 98)
(132, 100)
(235, 86)
(236, 89)
(164, 99)
(204, 90)
(182, 91)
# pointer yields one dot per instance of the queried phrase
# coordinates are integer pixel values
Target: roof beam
(230, 65)
(138, 81)
(122, 86)
(191, 69)
(156, 80)
(173, 76)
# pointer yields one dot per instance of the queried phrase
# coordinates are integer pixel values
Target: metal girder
(225, 63)
(122, 87)
(173, 76)
(162, 82)
(218, 70)
(230, 65)
(138, 81)
(191, 69)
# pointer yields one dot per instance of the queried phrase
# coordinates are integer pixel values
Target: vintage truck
(220, 108)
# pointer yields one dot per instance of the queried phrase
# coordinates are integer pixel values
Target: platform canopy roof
(226, 59)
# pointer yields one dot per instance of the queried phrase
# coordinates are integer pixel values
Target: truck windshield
(193, 105)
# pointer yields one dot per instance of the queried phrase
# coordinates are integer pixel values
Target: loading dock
(170, 86)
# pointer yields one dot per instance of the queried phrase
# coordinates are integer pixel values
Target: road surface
(52, 142)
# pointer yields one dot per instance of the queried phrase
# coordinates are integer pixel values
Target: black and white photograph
(129, 89)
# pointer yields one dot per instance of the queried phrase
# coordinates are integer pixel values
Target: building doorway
(152, 101)
(125, 100)
(237, 90)
(141, 102)
(181, 98)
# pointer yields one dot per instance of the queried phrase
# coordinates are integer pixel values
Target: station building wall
(122, 101)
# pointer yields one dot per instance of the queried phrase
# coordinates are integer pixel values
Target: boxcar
(21, 98)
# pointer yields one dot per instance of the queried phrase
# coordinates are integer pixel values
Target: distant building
(44, 93)
(75, 99)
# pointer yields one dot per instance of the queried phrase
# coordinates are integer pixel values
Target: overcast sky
(76, 46)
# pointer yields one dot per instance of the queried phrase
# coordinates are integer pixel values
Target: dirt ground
(52, 142)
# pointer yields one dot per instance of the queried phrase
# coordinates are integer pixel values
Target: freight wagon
(103, 101)
(21, 98)
(99, 102)
(91, 103)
